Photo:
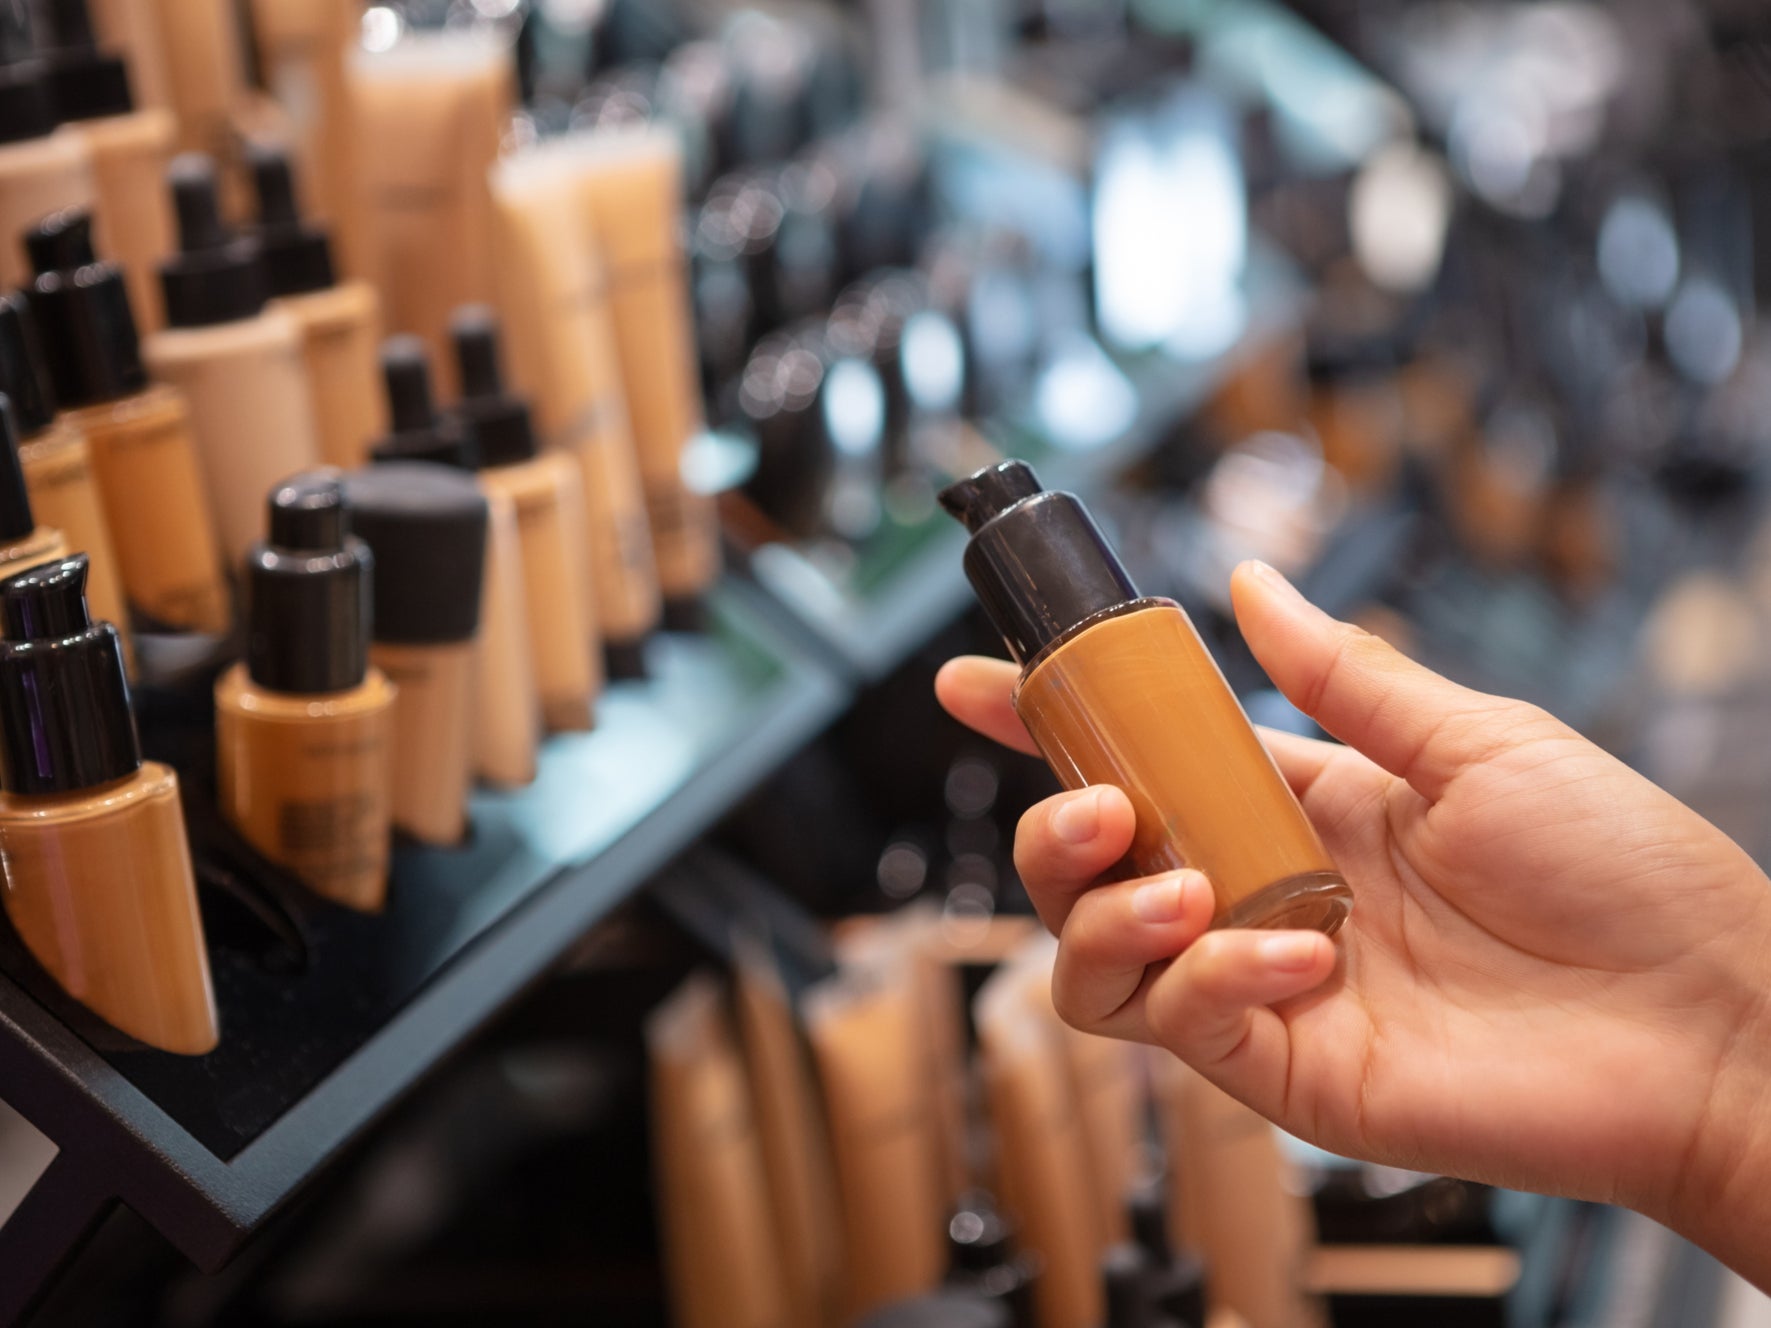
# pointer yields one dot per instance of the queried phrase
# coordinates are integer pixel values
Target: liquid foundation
(41, 169)
(303, 727)
(130, 147)
(632, 189)
(1118, 689)
(23, 543)
(864, 1033)
(138, 434)
(545, 493)
(239, 365)
(97, 871)
(204, 50)
(506, 705)
(719, 1261)
(429, 115)
(557, 314)
(303, 46)
(426, 527)
(340, 321)
(129, 27)
(56, 458)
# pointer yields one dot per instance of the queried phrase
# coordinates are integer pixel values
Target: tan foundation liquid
(433, 731)
(555, 298)
(97, 872)
(152, 489)
(1120, 690)
(545, 495)
(130, 154)
(58, 473)
(632, 188)
(129, 27)
(507, 708)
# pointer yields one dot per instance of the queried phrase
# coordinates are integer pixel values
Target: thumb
(1414, 723)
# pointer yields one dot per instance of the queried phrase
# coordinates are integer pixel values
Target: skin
(1554, 978)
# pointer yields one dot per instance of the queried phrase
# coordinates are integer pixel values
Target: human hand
(1551, 978)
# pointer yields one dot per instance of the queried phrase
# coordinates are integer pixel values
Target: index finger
(976, 692)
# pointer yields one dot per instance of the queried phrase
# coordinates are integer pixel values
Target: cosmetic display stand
(317, 1043)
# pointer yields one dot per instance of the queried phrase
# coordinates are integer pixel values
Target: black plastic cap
(16, 519)
(1039, 564)
(297, 256)
(977, 1238)
(1177, 1279)
(24, 374)
(309, 591)
(625, 661)
(426, 526)
(217, 276)
(944, 1309)
(65, 718)
(83, 314)
(1124, 1274)
(418, 432)
(83, 82)
(499, 422)
(26, 110)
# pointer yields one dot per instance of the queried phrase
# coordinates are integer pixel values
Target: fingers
(1112, 935)
(976, 692)
(1412, 722)
(1063, 844)
(1211, 1007)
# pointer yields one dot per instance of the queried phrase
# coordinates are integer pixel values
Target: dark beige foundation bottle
(1119, 689)
(92, 842)
(426, 526)
(138, 434)
(23, 543)
(304, 726)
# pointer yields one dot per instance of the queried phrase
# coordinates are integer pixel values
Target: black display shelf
(875, 604)
(316, 1047)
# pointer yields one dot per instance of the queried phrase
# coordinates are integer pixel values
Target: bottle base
(1311, 901)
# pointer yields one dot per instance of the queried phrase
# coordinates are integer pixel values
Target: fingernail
(1160, 901)
(1079, 819)
(1277, 580)
(1291, 951)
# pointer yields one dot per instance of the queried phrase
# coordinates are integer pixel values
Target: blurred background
(1447, 310)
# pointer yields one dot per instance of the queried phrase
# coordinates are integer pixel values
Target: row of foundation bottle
(819, 1155)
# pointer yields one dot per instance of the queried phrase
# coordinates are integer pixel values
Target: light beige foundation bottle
(239, 364)
(138, 434)
(545, 490)
(631, 183)
(506, 704)
(98, 878)
(92, 92)
(42, 169)
(202, 44)
(56, 458)
(425, 524)
(1118, 689)
(556, 311)
(304, 726)
(429, 115)
(340, 321)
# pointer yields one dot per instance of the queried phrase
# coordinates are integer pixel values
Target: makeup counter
(503, 861)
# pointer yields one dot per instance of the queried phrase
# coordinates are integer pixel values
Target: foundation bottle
(426, 527)
(1118, 689)
(340, 321)
(138, 434)
(507, 706)
(238, 363)
(56, 458)
(41, 171)
(130, 147)
(98, 878)
(23, 543)
(129, 26)
(545, 492)
(632, 182)
(205, 58)
(303, 726)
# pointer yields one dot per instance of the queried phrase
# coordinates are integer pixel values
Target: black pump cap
(65, 718)
(418, 433)
(1039, 564)
(217, 276)
(297, 255)
(977, 1237)
(944, 1309)
(24, 375)
(26, 110)
(16, 519)
(1124, 1277)
(426, 526)
(83, 313)
(310, 593)
(83, 82)
(1177, 1278)
(499, 421)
